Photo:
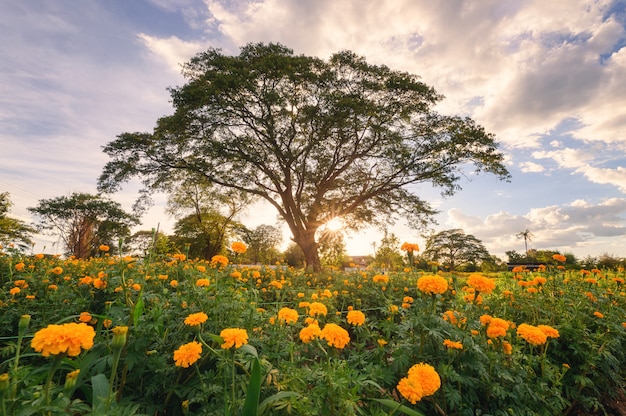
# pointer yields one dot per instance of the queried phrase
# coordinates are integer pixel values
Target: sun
(334, 224)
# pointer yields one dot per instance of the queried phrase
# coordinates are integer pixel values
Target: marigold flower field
(121, 335)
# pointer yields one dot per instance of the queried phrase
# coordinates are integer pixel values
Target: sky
(547, 78)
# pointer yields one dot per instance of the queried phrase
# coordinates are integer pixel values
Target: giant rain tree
(316, 139)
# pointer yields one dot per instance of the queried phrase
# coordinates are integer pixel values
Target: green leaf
(100, 389)
(275, 398)
(395, 406)
(137, 311)
(251, 404)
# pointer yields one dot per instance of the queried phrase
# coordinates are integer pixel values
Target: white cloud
(531, 167)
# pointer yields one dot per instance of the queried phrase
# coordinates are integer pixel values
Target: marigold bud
(119, 337)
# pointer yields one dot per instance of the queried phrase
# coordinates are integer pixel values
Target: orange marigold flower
(507, 348)
(173, 283)
(233, 337)
(310, 332)
(187, 354)
(335, 336)
(532, 334)
(53, 287)
(549, 331)
(87, 280)
(356, 318)
(20, 266)
(219, 261)
(450, 317)
(66, 338)
(202, 282)
(481, 283)
(85, 317)
(409, 247)
(599, 314)
(104, 247)
(99, 283)
(427, 376)
(288, 315)
(195, 319)
(410, 389)
(14, 291)
(238, 247)
(39, 256)
(57, 270)
(559, 257)
(317, 308)
(432, 284)
(380, 278)
(452, 344)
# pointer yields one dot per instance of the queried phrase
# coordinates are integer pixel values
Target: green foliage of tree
(146, 243)
(294, 256)
(388, 253)
(332, 248)
(84, 222)
(454, 250)
(316, 139)
(206, 215)
(262, 242)
(12, 230)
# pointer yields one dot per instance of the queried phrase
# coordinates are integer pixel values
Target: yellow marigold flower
(481, 283)
(233, 337)
(599, 314)
(219, 261)
(310, 332)
(308, 321)
(202, 282)
(195, 319)
(335, 335)
(410, 389)
(288, 315)
(549, 331)
(380, 278)
(427, 376)
(66, 338)
(20, 266)
(85, 317)
(356, 318)
(381, 342)
(452, 344)
(304, 304)
(57, 270)
(236, 274)
(300, 295)
(432, 284)
(238, 247)
(104, 247)
(317, 308)
(14, 291)
(393, 309)
(276, 284)
(136, 286)
(531, 334)
(187, 354)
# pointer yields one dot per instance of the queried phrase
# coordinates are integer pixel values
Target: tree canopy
(316, 139)
(84, 222)
(453, 249)
(12, 230)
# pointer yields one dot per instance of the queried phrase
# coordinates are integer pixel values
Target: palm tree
(527, 236)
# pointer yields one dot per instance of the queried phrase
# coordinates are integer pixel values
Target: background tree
(263, 242)
(206, 215)
(388, 254)
(12, 230)
(455, 249)
(146, 243)
(84, 222)
(527, 236)
(332, 248)
(315, 139)
(294, 256)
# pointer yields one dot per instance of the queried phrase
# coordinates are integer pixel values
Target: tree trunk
(306, 241)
